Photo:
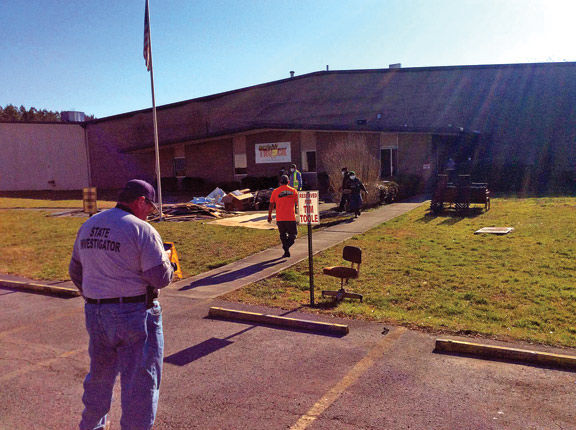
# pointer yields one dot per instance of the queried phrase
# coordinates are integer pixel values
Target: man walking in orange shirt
(284, 198)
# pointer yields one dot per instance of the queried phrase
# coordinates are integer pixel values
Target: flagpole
(156, 146)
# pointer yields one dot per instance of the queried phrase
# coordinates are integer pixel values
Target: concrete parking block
(506, 353)
(317, 326)
(40, 288)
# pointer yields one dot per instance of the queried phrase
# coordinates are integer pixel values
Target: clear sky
(87, 55)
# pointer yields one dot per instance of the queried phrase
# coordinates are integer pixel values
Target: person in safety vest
(295, 177)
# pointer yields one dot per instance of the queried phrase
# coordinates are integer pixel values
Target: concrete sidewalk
(259, 219)
(269, 262)
(264, 264)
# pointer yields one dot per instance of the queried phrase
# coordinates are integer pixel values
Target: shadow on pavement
(193, 353)
(261, 218)
(3, 293)
(188, 355)
(234, 275)
(506, 360)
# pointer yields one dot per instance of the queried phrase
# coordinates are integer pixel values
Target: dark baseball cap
(138, 188)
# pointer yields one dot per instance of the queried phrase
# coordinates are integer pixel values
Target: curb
(41, 288)
(505, 353)
(221, 313)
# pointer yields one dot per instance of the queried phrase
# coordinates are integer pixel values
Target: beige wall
(388, 140)
(35, 156)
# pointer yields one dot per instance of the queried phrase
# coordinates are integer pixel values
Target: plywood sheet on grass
(257, 220)
(494, 230)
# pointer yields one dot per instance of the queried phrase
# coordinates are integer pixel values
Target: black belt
(133, 299)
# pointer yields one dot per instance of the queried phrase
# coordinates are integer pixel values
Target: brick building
(515, 119)
(519, 114)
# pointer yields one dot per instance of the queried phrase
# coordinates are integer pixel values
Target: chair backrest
(353, 254)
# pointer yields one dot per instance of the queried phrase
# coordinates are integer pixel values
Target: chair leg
(341, 294)
(353, 296)
(330, 293)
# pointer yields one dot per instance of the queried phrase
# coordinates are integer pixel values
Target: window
(240, 164)
(311, 161)
(179, 167)
(388, 162)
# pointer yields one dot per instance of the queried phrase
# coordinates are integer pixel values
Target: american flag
(147, 51)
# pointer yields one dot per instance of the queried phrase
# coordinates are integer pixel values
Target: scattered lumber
(190, 212)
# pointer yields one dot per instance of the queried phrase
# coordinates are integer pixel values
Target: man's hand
(270, 209)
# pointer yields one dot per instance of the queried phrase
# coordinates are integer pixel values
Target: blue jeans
(125, 339)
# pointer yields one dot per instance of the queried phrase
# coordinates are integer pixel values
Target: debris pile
(262, 199)
(191, 211)
(244, 200)
(212, 200)
(239, 200)
(217, 204)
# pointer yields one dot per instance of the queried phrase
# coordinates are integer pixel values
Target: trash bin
(89, 200)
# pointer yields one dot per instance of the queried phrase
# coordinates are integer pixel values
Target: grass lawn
(12, 203)
(435, 274)
(36, 246)
(39, 247)
(19, 203)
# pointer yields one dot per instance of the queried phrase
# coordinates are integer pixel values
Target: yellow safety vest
(295, 182)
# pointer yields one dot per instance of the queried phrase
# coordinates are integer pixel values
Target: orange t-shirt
(285, 198)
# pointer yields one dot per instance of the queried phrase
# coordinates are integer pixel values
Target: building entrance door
(388, 162)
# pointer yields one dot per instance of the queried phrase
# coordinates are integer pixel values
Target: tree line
(12, 113)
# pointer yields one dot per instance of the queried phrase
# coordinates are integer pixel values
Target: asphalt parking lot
(230, 375)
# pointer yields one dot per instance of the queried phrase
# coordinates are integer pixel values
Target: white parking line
(41, 364)
(350, 378)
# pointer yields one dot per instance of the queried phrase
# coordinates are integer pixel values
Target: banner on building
(278, 152)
